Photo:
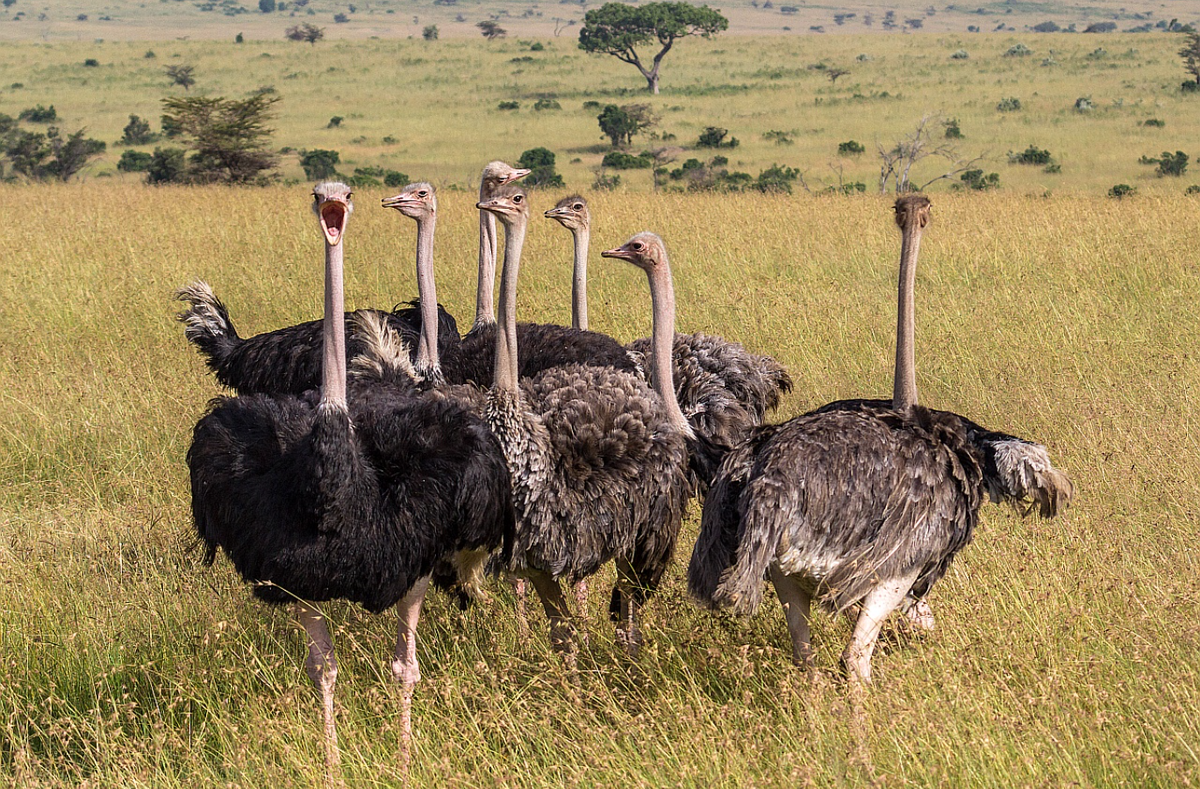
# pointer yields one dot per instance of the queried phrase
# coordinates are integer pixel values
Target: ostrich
(862, 500)
(328, 496)
(722, 388)
(495, 175)
(596, 456)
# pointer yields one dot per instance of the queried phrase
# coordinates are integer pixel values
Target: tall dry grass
(1066, 651)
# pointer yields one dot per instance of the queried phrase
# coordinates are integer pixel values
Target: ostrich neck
(427, 350)
(506, 333)
(579, 282)
(484, 316)
(662, 297)
(333, 368)
(904, 392)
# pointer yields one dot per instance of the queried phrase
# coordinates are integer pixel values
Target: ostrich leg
(321, 666)
(878, 604)
(562, 630)
(404, 667)
(581, 598)
(796, 604)
(629, 635)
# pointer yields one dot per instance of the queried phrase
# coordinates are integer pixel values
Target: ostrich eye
(638, 246)
(517, 199)
(578, 206)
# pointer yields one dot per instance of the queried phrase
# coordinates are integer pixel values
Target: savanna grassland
(1067, 652)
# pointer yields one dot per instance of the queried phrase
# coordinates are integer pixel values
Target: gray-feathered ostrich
(862, 500)
(597, 457)
(352, 492)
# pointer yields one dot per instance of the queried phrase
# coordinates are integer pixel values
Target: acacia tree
(896, 161)
(228, 136)
(1191, 55)
(617, 29)
(307, 32)
(181, 76)
(490, 29)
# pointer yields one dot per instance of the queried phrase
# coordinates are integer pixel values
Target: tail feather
(384, 357)
(206, 323)
(1020, 471)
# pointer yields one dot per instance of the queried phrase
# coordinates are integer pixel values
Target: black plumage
(541, 346)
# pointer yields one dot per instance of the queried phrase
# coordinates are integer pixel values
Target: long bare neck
(484, 314)
(662, 298)
(333, 368)
(506, 334)
(427, 350)
(579, 279)
(904, 391)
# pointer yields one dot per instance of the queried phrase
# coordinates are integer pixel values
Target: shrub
(361, 180)
(714, 137)
(620, 124)
(340, 19)
(1084, 104)
(509, 105)
(780, 137)
(430, 33)
(1194, 189)
(266, 6)
(546, 104)
(39, 114)
(536, 46)
(854, 187)
(1046, 27)
(167, 165)
(1121, 190)
(960, 54)
(1031, 155)
(1010, 104)
(1098, 53)
(1157, 123)
(149, 54)
(135, 161)
(1100, 27)
(777, 179)
(91, 63)
(591, 104)
(850, 148)
(335, 122)
(605, 182)
(540, 162)
(1171, 164)
(137, 132)
(975, 179)
(319, 164)
(1191, 86)
(1018, 51)
(953, 132)
(1053, 169)
(619, 160)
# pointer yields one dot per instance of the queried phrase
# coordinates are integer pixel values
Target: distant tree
(239, 39)
(714, 137)
(340, 19)
(1100, 27)
(9, 3)
(1046, 27)
(266, 6)
(540, 162)
(39, 114)
(491, 30)
(1191, 55)
(430, 33)
(228, 137)
(834, 73)
(617, 29)
(306, 32)
(319, 164)
(50, 156)
(897, 160)
(135, 162)
(619, 124)
(136, 132)
(167, 165)
(181, 75)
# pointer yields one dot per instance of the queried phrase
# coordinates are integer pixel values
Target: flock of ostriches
(372, 453)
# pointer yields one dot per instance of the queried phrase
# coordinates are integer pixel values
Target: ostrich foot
(321, 667)
(522, 618)
(919, 616)
(629, 638)
(406, 696)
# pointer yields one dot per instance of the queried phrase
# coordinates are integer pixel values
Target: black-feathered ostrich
(597, 457)
(352, 492)
(862, 500)
(288, 360)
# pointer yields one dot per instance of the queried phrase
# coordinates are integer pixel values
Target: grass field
(1065, 654)
(430, 109)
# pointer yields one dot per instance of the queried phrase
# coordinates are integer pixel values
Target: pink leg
(562, 630)
(581, 598)
(404, 667)
(797, 605)
(919, 614)
(877, 605)
(321, 666)
(522, 619)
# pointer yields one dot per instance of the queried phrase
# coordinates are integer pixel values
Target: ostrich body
(723, 389)
(860, 501)
(596, 457)
(326, 496)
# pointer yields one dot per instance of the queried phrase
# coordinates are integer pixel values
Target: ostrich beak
(333, 214)
(555, 213)
(396, 201)
(621, 253)
(516, 175)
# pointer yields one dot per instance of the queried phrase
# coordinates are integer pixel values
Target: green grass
(1066, 650)
(438, 102)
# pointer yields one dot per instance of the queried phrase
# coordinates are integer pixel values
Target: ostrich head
(497, 174)
(912, 208)
(416, 201)
(509, 203)
(571, 212)
(645, 250)
(331, 204)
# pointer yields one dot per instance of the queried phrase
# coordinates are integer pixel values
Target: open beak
(333, 215)
(517, 175)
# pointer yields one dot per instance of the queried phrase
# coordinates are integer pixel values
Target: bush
(714, 137)
(335, 122)
(546, 104)
(777, 179)
(953, 132)
(91, 63)
(1018, 51)
(1121, 190)
(1194, 189)
(1046, 27)
(854, 187)
(430, 33)
(509, 105)
(605, 182)
(1172, 164)
(620, 124)
(266, 6)
(975, 179)
(39, 114)
(1031, 155)
(167, 165)
(137, 132)
(340, 19)
(319, 164)
(540, 162)
(591, 104)
(850, 148)
(1053, 169)
(960, 54)
(619, 160)
(1191, 86)
(1084, 104)
(1009, 104)
(1157, 123)
(135, 162)
(1100, 27)
(536, 46)
(780, 137)
(1098, 53)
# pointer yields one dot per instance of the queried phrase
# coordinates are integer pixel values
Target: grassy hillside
(1066, 651)
(430, 109)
